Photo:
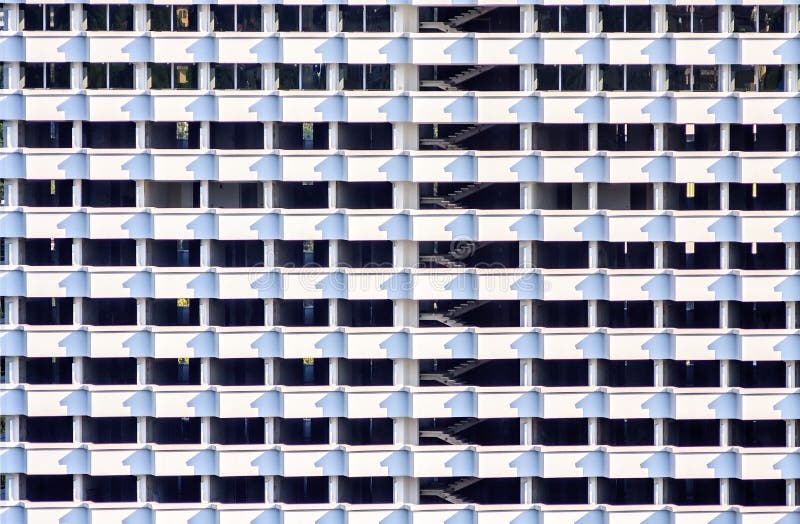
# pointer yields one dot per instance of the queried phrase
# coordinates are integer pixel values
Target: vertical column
(332, 77)
(405, 195)
(724, 313)
(405, 19)
(593, 314)
(725, 18)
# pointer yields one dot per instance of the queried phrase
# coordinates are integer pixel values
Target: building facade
(404, 263)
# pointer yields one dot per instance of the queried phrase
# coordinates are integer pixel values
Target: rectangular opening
(110, 489)
(625, 255)
(164, 430)
(109, 371)
(43, 311)
(237, 312)
(298, 431)
(174, 371)
(176, 489)
(46, 252)
(625, 432)
(108, 193)
(109, 311)
(302, 371)
(46, 429)
(237, 490)
(237, 431)
(109, 430)
(366, 431)
(173, 312)
(45, 134)
(100, 252)
(105, 17)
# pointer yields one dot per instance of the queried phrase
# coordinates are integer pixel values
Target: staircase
(450, 200)
(453, 25)
(441, 260)
(449, 377)
(451, 83)
(450, 316)
(449, 492)
(452, 141)
(450, 433)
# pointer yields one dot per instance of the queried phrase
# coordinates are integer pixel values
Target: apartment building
(399, 263)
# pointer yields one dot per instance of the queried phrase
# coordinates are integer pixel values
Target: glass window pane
(33, 75)
(288, 17)
(185, 18)
(95, 17)
(611, 77)
(58, 76)
(573, 19)
(638, 18)
(120, 18)
(573, 78)
(678, 19)
(288, 76)
(313, 76)
(706, 19)
(352, 18)
(706, 78)
(160, 76)
(223, 76)
(743, 78)
(547, 77)
(678, 77)
(96, 76)
(120, 76)
(547, 18)
(33, 16)
(352, 76)
(744, 18)
(314, 18)
(248, 18)
(222, 18)
(611, 18)
(249, 76)
(639, 78)
(159, 17)
(378, 77)
(378, 19)
(770, 78)
(57, 17)
(185, 76)
(770, 19)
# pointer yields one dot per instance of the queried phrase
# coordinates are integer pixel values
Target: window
(692, 78)
(49, 17)
(625, 78)
(359, 18)
(304, 76)
(369, 77)
(172, 17)
(240, 18)
(757, 19)
(564, 19)
(302, 17)
(108, 17)
(173, 76)
(692, 19)
(45, 76)
(620, 19)
(757, 78)
(237, 76)
(561, 78)
(109, 76)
